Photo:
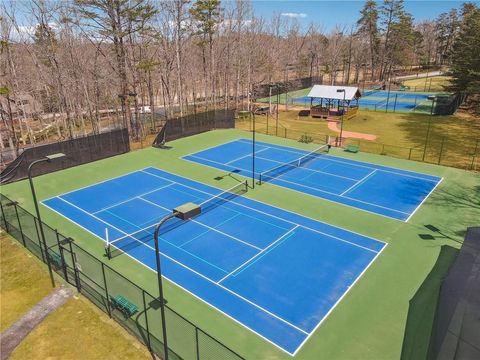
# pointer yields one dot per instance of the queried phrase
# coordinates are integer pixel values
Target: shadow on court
(423, 306)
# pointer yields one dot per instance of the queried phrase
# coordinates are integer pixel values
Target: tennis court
(275, 272)
(378, 189)
(377, 99)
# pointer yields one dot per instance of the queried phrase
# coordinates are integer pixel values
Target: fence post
(395, 103)
(19, 224)
(106, 290)
(38, 238)
(4, 217)
(441, 151)
(267, 120)
(146, 321)
(196, 343)
(426, 138)
(410, 154)
(75, 270)
(64, 266)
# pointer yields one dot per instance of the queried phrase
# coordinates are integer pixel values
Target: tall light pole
(183, 212)
(253, 151)
(48, 158)
(343, 112)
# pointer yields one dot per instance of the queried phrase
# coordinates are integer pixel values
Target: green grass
(435, 83)
(23, 281)
(77, 330)
(370, 321)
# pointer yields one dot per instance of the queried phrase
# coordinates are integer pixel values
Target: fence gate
(70, 271)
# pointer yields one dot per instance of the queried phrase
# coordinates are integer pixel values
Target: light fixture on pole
(253, 151)
(48, 158)
(183, 212)
(343, 112)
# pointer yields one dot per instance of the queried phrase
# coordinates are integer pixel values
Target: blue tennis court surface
(378, 189)
(275, 272)
(405, 101)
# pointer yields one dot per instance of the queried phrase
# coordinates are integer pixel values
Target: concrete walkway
(15, 334)
(418, 76)
(333, 125)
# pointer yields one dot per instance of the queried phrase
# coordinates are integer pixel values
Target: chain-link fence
(388, 101)
(193, 124)
(458, 153)
(100, 284)
(81, 150)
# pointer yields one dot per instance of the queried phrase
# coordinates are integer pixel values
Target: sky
(327, 14)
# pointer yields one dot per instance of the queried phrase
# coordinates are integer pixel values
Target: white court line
(338, 301)
(307, 168)
(244, 156)
(206, 226)
(225, 288)
(86, 212)
(132, 198)
(234, 293)
(424, 199)
(316, 189)
(351, 162)
(98, 182)
(288, 221)
(211, 147)
(206, 302)
(175, 283)
(316, 196)
(346, 197)
(260, 253)
(275, 161)
(358, 183)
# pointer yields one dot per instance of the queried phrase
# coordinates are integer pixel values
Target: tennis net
(145, 236)
(285, 167)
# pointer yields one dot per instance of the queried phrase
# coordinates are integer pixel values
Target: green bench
(404, 88)
(55, 259)
(120, 303)
(352, 148)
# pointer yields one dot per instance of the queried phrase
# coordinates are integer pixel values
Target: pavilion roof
(330, 92)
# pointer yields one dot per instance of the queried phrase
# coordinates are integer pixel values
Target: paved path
(423, 75)
(14, 335)
(333, 125)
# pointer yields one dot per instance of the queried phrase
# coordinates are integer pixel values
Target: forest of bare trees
(74, 67)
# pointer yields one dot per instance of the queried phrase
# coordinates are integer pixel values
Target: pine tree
(207, 14)
(466, 55)
(392, 14)
(368, 27)
(447, 29)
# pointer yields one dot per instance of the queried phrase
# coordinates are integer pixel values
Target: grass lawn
(370, 320)
(404, 134)
(435, 83)
(77, 330)
(24, 281)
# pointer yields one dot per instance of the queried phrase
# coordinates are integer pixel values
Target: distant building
(22, 104)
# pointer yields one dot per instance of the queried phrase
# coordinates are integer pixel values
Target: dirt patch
(333, 125)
